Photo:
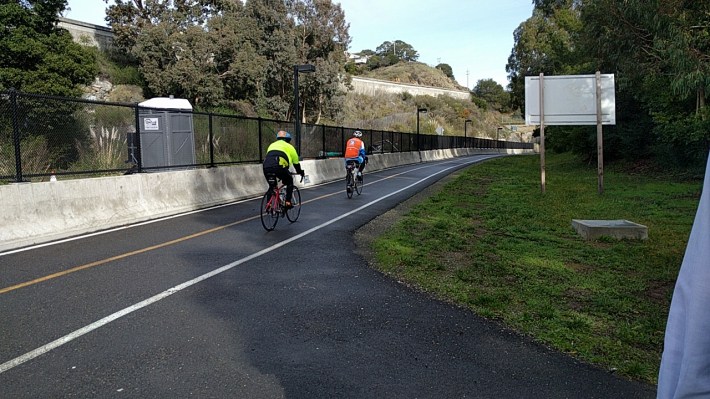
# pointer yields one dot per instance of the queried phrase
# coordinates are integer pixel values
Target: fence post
(342, 140)
(210, 136)
(325, 153)
(139, 152)
(16, 136)
(261, 146)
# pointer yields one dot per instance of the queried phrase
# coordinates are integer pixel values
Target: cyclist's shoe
(350, 189)
(288, 205)
(359, 176)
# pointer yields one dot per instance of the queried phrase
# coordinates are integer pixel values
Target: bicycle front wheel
(349, 184)
(292, 214)
(269, 212)
(358, 184)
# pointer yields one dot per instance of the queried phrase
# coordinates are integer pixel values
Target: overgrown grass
(490, 240)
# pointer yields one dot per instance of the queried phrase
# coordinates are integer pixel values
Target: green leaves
(493, 93)
(658, 52)
(38, 57)
(398, 50)
(217, 52)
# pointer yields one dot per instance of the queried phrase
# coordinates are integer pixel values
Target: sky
(474, 37)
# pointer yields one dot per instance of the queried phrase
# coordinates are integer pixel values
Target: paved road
(209, 305)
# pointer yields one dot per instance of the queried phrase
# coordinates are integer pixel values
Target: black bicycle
(353, 183)
(273, 204)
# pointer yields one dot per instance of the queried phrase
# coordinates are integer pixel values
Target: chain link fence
(43, 136)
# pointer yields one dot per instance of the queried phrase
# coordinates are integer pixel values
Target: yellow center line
(122, 256)
(154, 247)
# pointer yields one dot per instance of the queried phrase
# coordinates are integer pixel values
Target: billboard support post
(600, 138)
(542, 133)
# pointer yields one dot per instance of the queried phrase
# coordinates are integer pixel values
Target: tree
(274, 42)
(36, 56)
(321, 39)
(446, 68)
(545, 43)
(171, 45)
(398, 49)
(240, 68)
(493, 93)
(659, 52)
(221, 52)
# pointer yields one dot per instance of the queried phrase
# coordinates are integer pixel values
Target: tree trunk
(700, 105)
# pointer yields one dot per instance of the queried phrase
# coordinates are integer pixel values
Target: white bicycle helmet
(357, 133)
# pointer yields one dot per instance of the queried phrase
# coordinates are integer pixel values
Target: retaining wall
(374, 87)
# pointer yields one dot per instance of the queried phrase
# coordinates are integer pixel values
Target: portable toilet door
(166, 133)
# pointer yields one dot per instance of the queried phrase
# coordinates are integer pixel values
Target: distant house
(358, 58)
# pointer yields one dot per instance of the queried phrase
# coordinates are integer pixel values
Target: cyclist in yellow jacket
(279, 157)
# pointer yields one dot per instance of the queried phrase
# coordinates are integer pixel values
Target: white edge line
(108, 319)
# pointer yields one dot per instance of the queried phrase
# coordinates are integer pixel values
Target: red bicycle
(353, 180)
(273, 204)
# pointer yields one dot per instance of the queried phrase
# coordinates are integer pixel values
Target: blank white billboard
(570, 100)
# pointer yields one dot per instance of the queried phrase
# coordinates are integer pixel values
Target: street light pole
(465, 136)
(497, 133)
(423, 111)
(297, 112)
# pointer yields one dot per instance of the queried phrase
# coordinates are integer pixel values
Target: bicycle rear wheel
(292, 214)
(269, 212)
(358, 184)
(349, 184)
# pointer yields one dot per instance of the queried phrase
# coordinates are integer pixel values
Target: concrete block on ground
(620, 229)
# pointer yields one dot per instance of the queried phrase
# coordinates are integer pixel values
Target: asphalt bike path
(209, 304)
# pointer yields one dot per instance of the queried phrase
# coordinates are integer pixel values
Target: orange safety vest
(352, 148)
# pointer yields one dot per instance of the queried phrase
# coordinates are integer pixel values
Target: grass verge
(491, 241)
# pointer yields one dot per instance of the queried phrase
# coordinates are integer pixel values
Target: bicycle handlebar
(296, 173)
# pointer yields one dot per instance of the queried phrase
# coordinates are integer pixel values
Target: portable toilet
(166, 132)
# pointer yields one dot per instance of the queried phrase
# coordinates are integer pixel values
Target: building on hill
(357, 58)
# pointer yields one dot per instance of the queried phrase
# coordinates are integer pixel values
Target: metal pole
(211, 139)
(296, 111)
(419, 110)
(261, 140)
(139, 151)
(542, 134)
(498, 129)
(465, 134)
(16, 136)
(418, 130)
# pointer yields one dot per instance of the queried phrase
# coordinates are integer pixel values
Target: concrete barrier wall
(34, 213)
(88, 34)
